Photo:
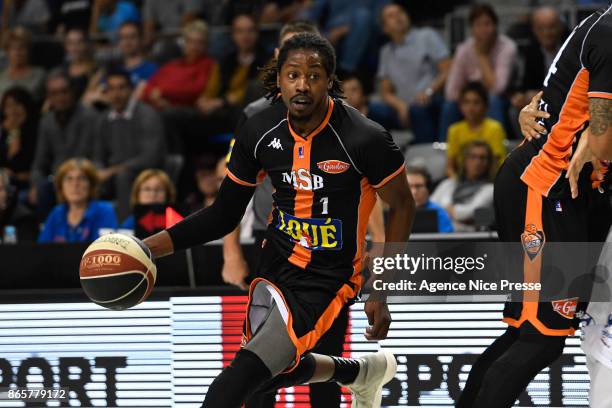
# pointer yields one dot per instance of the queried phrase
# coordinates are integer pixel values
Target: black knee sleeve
(245, 374)
(300, 375)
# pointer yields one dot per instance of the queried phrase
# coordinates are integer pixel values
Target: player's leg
(512, 372)
(483, 363)
(327, 395)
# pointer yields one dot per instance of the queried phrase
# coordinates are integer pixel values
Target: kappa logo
(275, 144)
(333, 166)
(566, 307)
(532, 240)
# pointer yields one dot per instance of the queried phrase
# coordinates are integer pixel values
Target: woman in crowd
(18, 134)
(79, 65)
(79, 216)
(486, 56)
(152, 186)
(182, 82)
(19, 71)
(471, 189)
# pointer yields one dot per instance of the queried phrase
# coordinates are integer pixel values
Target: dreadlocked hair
(302, 41)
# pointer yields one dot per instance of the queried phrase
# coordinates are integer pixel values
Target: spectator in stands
(79, 65)
(357, 98)
(68, 14)
(548, 33)
(182, 82)
(238, 67)
(31, 14)
(78, 217)
(471, 189)
(18, 135)
(108, 15)
(473, 102)
(207, 182)
(348, 25)
(132, 53)
(131, 139)
(13, 213)
(486, 56)
(412, 70)
(19, 72)
(419, 181)
(167, 17)
(152, 186)
(67, 130)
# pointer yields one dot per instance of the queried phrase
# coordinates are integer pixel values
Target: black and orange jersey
(324, 183)
(581, 69)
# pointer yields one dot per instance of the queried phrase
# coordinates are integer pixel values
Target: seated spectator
(78, 217)
(486, 56)
(152, 186)
(13, 213)
(108, 15)
(412, 69)
(19, 72)
(539, 54)
(165, 17)
(356, 97)
(238, 67)
(182, 82)
(31, 14)
(79, 65)
(470, 190)
(419, 181)
(207, 183)
(131, 139)
(348, 26)
(132, 54)
(67, 130)
(473, 103)
(18, 135)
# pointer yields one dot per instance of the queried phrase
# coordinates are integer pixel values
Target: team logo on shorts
(333, 166)
(566, 307)
(532, 240)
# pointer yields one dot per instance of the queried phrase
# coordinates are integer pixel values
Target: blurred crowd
(109, 104)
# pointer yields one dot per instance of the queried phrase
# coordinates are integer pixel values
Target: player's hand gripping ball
(117, 271)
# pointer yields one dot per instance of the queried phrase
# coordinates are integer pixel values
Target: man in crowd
(131, 139)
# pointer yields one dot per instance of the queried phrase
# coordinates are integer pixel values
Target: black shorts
(309, 302)
(523, 215)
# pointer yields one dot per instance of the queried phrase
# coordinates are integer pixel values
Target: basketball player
(597, 322)
(322, 395)
(577, 93)
(324, 160)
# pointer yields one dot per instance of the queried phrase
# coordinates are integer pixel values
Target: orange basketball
(117, 271)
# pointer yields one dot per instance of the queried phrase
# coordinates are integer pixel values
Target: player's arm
(206, 225)
(600, 140)
(396, 193)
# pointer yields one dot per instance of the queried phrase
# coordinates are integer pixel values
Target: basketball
(117, 271)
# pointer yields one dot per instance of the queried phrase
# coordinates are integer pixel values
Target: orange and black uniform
(535, 171)
(324, 192)
(533, 205)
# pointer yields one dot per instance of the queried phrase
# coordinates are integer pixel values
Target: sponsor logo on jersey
(301, 179)
(566, 307)
(333, 166)
(532, 240)
(311, 233)
(275, 144)
(300, 152)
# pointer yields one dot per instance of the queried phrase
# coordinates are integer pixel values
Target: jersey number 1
(325, 201)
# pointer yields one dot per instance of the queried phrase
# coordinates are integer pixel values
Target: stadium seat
(430, 156)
